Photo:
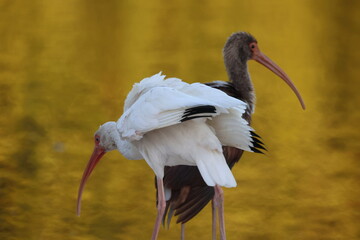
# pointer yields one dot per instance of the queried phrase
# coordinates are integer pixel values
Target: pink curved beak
(95, 158)
(267, 62)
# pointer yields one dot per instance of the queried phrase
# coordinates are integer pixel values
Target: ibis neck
(112, 140)
(239, 76)
(127, 148)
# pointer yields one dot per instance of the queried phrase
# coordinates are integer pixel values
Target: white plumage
(154, 122)
(169, 122)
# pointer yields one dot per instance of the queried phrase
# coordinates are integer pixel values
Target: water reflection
(66, 68)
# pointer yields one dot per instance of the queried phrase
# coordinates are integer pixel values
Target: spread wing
(161, 107)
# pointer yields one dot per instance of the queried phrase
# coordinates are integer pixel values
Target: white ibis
(168, 122)
(189, 193)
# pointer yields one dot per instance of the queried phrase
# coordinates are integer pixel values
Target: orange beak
(95, 158)
(267, 62)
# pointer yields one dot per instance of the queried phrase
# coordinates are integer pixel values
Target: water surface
(66, 67)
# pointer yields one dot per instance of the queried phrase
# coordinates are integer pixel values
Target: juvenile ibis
(169, 122)
(189, 193)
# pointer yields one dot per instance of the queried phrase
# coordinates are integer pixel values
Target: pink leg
(219, 204)
(213, 207)
(160, 207)
(183, 231)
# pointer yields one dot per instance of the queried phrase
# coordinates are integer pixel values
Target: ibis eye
(97, 139)
(252, 45)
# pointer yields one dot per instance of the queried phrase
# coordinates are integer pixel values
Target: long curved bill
(267, 62)
(95, 157)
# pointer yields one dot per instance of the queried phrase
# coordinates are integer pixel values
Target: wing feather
(232, 130)
(161, 107)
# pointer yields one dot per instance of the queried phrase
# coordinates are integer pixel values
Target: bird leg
(219, 204)
(160, 208)
(182, 231)
(213, 207)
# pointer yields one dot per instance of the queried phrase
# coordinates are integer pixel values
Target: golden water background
(66, 67)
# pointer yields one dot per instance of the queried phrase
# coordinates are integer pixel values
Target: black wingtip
(254, 139)
(253, 134)
(197, 112)
(258, 145)
(255, 150)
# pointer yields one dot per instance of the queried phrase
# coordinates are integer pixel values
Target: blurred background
(66, 67)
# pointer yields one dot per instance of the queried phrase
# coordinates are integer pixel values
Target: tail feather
(214, 170)
(189, 209)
